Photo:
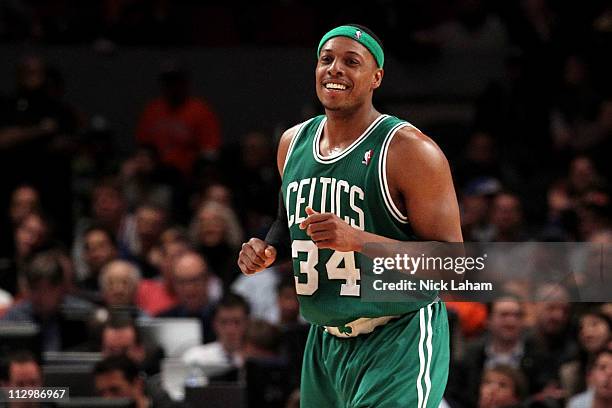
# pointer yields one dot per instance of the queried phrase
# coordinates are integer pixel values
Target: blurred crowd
(94, 242)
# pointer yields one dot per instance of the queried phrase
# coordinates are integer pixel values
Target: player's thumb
(310, 211)
(270, 253)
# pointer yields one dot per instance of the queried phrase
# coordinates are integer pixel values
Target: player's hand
(327, 230)
(255, 256)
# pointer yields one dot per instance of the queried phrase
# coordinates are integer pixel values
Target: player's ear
(377, 79)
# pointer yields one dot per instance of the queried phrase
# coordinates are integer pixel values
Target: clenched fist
(255, 256)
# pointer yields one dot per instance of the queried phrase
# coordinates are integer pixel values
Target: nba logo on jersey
(367, 157)
(357, 34)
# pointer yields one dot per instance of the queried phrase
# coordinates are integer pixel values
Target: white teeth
(332, 85)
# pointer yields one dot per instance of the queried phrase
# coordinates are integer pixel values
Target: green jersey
(352, 185)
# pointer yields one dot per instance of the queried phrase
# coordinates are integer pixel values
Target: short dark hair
(263, 335)
(596, 312)
(518, 378)
(232, 300)
(119, 320)
(104, 230)
(122, 363)
(44, 266)
(591, 364)
(503, 297)
(19, 357)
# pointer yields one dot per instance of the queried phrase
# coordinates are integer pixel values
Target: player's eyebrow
(347, 52)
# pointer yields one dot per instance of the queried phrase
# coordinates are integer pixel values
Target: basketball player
(350, 177)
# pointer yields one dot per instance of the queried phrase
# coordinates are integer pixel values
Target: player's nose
(335, 68)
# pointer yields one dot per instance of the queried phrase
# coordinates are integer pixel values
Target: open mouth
(335, 86)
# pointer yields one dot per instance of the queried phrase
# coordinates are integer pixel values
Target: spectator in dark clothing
(31, 124)
(108, 210)
(503, 344)
(120, 336)
(595, 333)
(61, 316)
(254, 179)
(150, 221)
(100, 247)
(22, 370)
(217, 236)
(119, 377)
(31, 235)
(191, 286)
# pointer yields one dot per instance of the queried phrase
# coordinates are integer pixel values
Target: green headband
(358, 35)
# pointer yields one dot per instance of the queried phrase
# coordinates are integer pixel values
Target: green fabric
(358, 35)
(349, 185)
(404, 363)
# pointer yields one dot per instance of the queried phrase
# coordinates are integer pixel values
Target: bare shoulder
(283, 146)
(412, 150)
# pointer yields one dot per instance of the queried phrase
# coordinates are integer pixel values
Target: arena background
(517, 94)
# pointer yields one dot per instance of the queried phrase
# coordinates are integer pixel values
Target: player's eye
(325, 59)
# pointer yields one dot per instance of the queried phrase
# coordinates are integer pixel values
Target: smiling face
(346, 75)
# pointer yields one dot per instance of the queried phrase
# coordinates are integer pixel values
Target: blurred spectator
(158, 294)
(59, 315)
(146, 180)
(474, 212)
(21, 370)
(599, 394)
(502, 387)
(472, 317)
(180, 126)
(190, 279)
(254, 180)
(575, 105)
(219, 193)
(260, 290)
(262, 341)
(230, 323)
(118, 283)
(108, 210)
(150, 221)
(287, 300)
(507, 218)
(595, 332)
(31, 124)
(551, 338)
(121, 336)
(582, 176)
(514, 110)
(31, 235)
(119, 377)
(480, 160)
(25, 200)
(100, 248)
(503, 344)
(218, 236)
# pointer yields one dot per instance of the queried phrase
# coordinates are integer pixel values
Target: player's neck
(343, 127)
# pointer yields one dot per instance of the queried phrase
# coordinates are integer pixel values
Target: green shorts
(401, 364)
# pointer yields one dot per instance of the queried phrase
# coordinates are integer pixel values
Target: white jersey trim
(382, 175)
(332, 159)
(293, 141)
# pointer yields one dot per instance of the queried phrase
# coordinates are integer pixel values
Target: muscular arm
(421, 186)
